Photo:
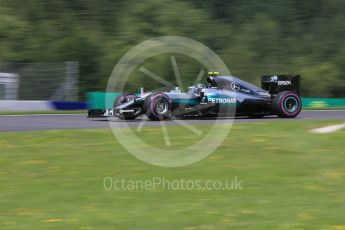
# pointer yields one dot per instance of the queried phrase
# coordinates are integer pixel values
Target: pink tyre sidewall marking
(123, 99)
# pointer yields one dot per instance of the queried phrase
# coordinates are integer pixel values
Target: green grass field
(291, 179)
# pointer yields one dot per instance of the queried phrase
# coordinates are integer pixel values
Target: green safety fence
(310, 103)
(101, 100)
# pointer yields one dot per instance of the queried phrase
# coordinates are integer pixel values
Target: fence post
(72, 75)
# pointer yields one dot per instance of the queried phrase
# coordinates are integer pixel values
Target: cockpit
(227, 83)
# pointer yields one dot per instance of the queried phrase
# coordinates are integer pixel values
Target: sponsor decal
(318, 104)
(245, 90)
(235, 86)
(222, 100)
(274, 78)
(284, 82)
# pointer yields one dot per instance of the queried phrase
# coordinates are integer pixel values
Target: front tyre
(158, 107)
(287, 104)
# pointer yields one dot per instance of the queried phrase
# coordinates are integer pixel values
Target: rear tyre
(124, 98)
(287, 104)
(157, 107)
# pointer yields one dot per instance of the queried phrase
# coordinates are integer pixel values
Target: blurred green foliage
(252, 37)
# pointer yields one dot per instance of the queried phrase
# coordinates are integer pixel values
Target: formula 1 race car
(222, 96)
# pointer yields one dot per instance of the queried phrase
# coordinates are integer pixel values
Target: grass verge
(327, 108)
(291, 179)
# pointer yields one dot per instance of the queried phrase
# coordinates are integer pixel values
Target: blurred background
(62, 49)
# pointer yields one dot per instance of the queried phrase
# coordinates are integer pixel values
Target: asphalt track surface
(79, 121)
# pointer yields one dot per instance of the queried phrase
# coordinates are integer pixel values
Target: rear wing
(275, 84)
